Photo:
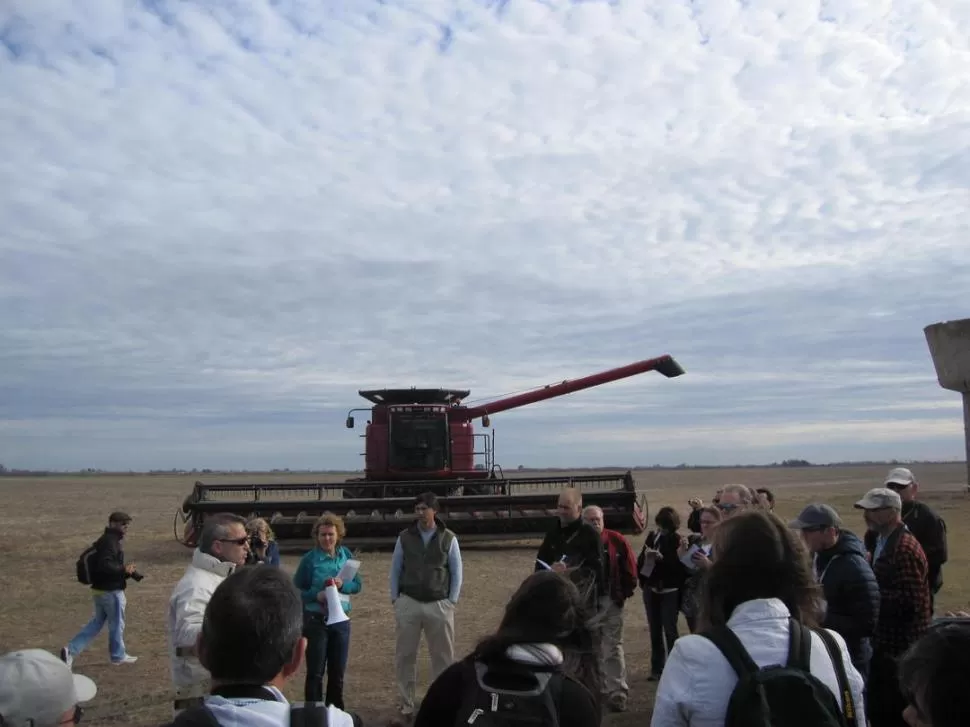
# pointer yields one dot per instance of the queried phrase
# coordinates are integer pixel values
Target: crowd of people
(847, 621)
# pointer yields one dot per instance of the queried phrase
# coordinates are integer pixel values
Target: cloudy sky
(222, 219)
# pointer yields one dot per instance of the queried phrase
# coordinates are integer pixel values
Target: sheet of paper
(648, 565)
(349, 570)
(687, 558)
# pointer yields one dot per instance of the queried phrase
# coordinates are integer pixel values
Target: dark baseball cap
(119, 517)
(816, 516)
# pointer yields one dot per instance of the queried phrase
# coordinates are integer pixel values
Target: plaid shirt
(904, 594)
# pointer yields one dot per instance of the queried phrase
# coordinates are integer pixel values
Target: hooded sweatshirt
(265, 707)
(248, 712)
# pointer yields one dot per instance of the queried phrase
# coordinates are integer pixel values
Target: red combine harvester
(420, 440)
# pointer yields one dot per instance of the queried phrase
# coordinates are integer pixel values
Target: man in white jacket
(251, 643)
(223, 546)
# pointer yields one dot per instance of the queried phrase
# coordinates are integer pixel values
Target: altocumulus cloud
(221, 219)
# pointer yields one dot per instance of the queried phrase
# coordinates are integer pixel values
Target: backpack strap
(309, 714)
(799, 646)
(195, 716)
(835, 654)
(732, 648)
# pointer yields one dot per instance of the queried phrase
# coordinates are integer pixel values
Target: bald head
(593, 514)
(570, 505)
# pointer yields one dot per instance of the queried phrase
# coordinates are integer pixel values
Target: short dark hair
(119, 517)
(667, 518)
(932, 675)
(216, 527)
(428, 499)
(756, 555)
(252, 625)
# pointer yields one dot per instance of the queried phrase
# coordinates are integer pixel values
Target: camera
(136, 576)
(255, 543)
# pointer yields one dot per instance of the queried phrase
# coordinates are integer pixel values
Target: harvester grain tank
(424, 439)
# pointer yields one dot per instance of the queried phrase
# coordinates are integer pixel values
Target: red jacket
(620, 565)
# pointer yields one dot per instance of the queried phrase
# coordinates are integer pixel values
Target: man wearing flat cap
(109, 577)
(925, 525)
(848, 583)
(38, 690)
(900, 566)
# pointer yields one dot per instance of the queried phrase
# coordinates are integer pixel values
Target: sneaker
(67, 658)
(128, 659)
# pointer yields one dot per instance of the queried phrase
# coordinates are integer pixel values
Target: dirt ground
(49, 521)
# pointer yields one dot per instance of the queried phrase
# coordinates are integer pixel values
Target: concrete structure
(949, 344)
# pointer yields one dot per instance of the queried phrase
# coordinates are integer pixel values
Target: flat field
(48, 521)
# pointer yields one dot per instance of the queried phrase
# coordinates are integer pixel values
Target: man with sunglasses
(732, 499)
(223, 547)
(38, 690)
(925, 525)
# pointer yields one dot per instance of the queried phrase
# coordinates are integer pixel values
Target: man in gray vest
(426, 575)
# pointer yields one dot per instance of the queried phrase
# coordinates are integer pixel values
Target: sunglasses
(727, 506)
(235, 541)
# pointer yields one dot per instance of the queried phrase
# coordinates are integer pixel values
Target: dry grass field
(48, 521)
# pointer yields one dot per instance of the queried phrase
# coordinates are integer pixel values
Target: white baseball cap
(36, 688)
(900, 476)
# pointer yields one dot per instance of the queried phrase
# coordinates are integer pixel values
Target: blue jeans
(108, 607)
(328, 648)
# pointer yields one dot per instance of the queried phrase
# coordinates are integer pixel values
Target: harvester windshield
(418, 439)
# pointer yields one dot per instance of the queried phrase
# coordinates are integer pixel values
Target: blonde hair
(328, 519)
(256, 524)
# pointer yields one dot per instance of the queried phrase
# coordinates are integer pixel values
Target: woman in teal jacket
(328, 646)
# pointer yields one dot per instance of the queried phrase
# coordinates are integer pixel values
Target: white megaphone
(335, 610)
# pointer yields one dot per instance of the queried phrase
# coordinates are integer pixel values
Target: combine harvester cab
(420, 440)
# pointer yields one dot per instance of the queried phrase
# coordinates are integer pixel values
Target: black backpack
(506, 694)
(86, 564)
(789, 695)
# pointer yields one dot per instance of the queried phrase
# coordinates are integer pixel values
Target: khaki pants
(612, 660)
(437, 620)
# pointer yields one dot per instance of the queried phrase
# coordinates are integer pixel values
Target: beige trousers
(437, 620)
(612, 660)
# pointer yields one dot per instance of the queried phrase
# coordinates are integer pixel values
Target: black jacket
(668, 572)
(851, 594)
(930, 530)
(109, 569)
(581, 545)
(694, 521)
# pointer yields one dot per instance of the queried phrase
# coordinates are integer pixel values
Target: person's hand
(338, 582)
(129, 569)
(700, 560)
(559, 567)
(683, 547)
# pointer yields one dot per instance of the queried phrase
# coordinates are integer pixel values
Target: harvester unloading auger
(420, 440)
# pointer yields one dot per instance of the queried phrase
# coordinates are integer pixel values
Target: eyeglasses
(896, 486)
(235, 541)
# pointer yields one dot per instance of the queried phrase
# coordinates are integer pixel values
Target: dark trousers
(884, 699)
(328, 648)
(663, 610)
